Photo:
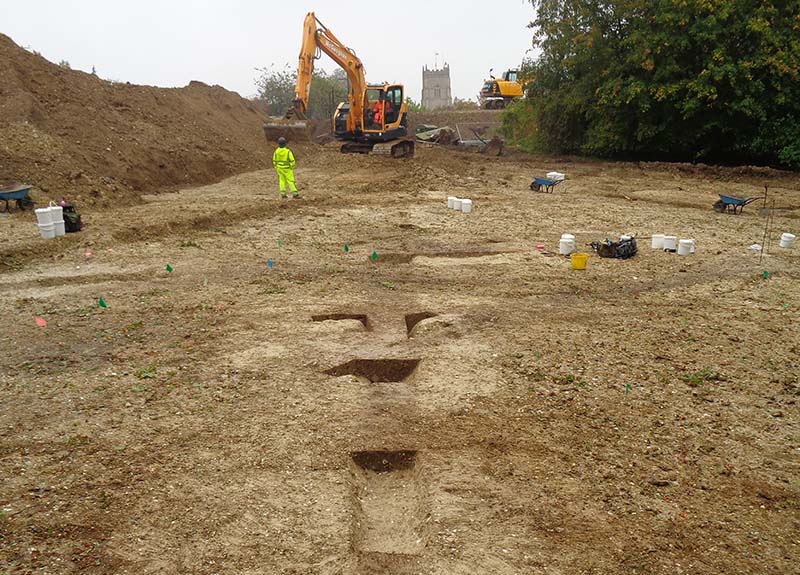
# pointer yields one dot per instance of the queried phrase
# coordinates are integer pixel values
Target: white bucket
(44, 216)
(657, 242)
(685, 247)
(568, 237)
(57, 216)
(48, 231)
(56, 213)
(450, 201)
(457, 204)
(787, 240)
(670, 243)
(566, 246)
(466, 206)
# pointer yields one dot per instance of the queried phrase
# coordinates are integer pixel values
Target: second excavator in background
(499, 93)
(374, 118)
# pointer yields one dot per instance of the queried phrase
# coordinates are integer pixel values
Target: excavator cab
(497, 94)
(383, 109)
(385, 115)
(383, 125)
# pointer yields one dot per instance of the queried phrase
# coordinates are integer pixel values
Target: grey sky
(170, 43)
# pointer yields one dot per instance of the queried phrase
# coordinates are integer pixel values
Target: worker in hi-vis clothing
(283, 162)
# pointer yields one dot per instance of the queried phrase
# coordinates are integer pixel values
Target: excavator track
(397, 149)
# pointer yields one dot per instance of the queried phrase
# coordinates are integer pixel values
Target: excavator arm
(316, 38)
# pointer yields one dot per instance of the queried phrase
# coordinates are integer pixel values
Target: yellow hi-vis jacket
(283, 158)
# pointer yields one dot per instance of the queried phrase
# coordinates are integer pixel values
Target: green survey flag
(346, 248)
(169, 268)
(102, 303)
(279, 243)
(374, 256)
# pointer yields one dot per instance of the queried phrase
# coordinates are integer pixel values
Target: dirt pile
(73, 134)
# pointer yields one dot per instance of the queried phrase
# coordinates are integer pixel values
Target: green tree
(713, 80)
(413, 106)
(276, 89)
(327, 91)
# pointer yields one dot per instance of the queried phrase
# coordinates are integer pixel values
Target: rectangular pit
(377, 370)
(413, 319)
(389, 501)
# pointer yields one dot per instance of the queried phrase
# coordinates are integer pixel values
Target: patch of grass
(102, 334)
(148, 372)
(86, 311)
(701, 377)
(188, 244)
(569, 379)
(138, 389)
(74, 440)
(388, 285)
(535, 375)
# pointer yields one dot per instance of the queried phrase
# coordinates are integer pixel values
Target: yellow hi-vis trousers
(286, 179)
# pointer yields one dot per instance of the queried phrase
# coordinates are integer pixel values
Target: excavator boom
(318, 38)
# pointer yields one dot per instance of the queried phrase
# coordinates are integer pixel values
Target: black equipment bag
(72, 219)
(622, 249)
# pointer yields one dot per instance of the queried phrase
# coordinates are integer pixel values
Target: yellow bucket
(578, 261)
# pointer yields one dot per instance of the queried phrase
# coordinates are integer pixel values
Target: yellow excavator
(374, 118)
(497, 94)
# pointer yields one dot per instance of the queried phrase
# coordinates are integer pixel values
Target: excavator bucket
(294, 130)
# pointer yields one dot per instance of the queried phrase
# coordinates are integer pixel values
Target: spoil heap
(76, 135)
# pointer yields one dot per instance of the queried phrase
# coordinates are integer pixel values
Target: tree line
(698, 80)
(275, 89)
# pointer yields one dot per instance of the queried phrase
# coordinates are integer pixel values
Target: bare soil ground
(470, 404)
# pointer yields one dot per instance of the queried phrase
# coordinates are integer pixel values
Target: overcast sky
(171, 42)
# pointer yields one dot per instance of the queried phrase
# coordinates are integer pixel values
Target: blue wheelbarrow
(543, 184)
(733, 205)
(18, 193)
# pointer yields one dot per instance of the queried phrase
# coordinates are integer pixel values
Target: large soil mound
(73, 134)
